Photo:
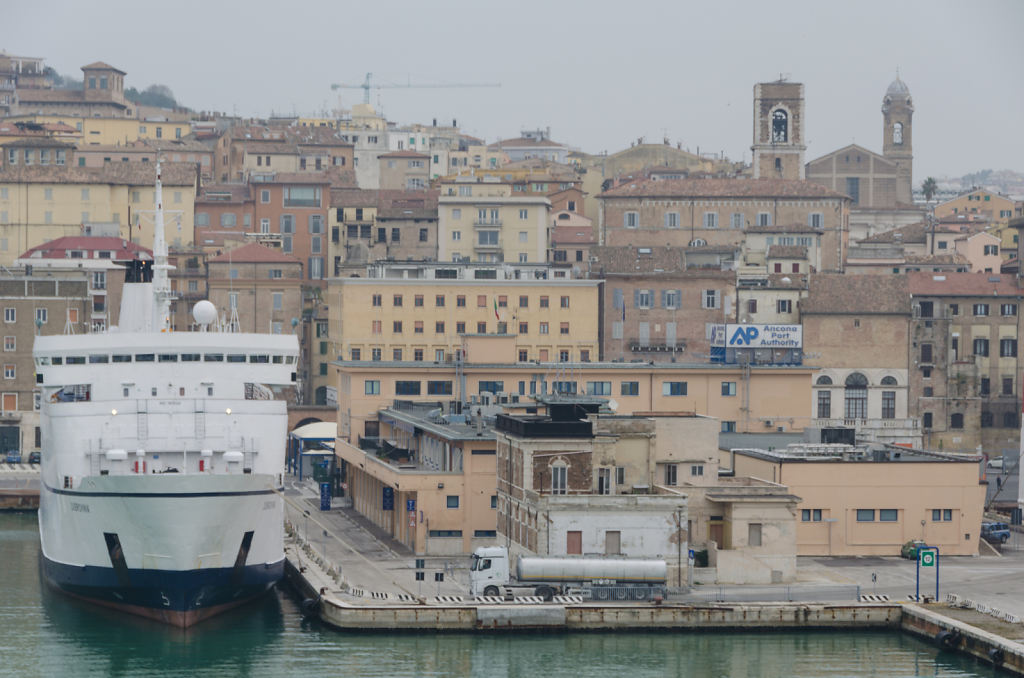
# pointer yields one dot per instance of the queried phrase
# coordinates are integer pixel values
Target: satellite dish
(204, 312)
(613, 405)
(786, 280)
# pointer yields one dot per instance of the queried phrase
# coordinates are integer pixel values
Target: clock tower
(897, 138)
(779, 142)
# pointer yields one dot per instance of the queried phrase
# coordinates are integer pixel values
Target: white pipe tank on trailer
(619, 570)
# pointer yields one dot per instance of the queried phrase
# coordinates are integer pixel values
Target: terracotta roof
(100, 65)
(836, 293)
(54, 96)
(353, 197)
(254, 253)
(572, 235)
(922, 284)
(297, 178)
(660, 261)
(787, 252)
(404, 154)
(917, 233)
(116, 173)
(37, 142)
(57, 249)
(236, 193)
(721, 188)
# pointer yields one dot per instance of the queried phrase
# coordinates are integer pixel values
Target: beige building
(439, 471)
(425, 320)
(628, 484)
(404, 171)
(480, 219)
(41, 203)
(485, 370)
(727, 212)
(858, 327)
(110, 131)
(869, 502)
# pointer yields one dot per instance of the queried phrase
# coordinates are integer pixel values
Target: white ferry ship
(163, 456)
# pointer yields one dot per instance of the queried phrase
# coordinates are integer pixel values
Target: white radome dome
(204, 312)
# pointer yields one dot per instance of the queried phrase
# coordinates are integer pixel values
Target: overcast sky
(599, 74)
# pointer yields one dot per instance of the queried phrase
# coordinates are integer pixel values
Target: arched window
(897, 134)
(780, 126)
(856, 396)
(956, 420)
(824, 381)
(888, 381)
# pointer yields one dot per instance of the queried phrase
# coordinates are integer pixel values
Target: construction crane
(368, 85)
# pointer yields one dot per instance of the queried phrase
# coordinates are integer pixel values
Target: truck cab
(489, 571)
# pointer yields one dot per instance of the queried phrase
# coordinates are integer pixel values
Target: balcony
(484, 224)
(487, 247)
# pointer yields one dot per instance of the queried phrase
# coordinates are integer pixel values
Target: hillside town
(647, 352)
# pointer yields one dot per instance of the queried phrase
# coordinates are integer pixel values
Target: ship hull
(177, 598)
(178, 549)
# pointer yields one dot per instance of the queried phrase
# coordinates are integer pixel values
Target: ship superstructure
(163, 457)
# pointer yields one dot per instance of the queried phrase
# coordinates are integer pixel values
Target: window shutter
(636, 298)
(679, 298)
(718, 299)
(664, 298)
(617, 301)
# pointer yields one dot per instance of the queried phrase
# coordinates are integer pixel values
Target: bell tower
(897, 137)
(778, 130)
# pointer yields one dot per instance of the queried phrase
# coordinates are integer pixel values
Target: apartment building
(481, 219)
(859, 329)
(146, 150)
(726, 212)
(289, 207)
(743, 398)
(110, 130)
(860, 501)
(439, 472)
(965, 376)
(40, 203)
(425, 320)
(368, 226)
(101, 258)
(656, 306)
(404, 171)
(34, 305)
(244, 152)
(102, 95)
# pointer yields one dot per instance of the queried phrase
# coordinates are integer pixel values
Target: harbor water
(47, 634)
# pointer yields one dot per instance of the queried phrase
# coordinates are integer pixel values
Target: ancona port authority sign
(764, 336)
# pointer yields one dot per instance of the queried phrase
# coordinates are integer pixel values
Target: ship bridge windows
(236, 357)
(289, 360)
(261, 358)
(168, 357)
(145, 357)
(95, 359)
(75, 360)
(58, 360)
(122, 358)
(214, 357)
(278, 359)
(189, 357)
(75, 393)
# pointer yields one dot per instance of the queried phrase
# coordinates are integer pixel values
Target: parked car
(13, 456)
(996, 463)
(34, 457)
(995, 533)
(911, 548)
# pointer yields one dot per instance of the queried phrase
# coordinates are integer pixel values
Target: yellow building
(745, 399)
(857, 502)
(113, 131)
(441, 469)
(38, 204)
(985, 205)
(479, 219)
(426, 320)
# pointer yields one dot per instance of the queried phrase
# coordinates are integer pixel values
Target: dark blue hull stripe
(164, 590)
(162, 495)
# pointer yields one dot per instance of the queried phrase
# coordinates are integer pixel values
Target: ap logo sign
(743, 336)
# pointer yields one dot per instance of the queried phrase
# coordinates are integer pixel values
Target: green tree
(154, 95)
(929, 187)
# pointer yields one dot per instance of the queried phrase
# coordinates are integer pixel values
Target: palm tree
(929, 187)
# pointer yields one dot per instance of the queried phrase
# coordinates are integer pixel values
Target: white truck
(598, 578)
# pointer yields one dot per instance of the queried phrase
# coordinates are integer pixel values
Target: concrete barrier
(954, 635)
